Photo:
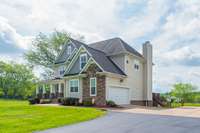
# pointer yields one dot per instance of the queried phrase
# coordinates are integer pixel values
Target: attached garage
(119, 95)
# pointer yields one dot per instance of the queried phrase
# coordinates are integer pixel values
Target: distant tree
(196, 97)
(183, 91)
(16, 80)
(46, 48)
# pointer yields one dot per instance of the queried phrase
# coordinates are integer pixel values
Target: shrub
(45, 101)
(60, 100)
(34, 101)
(70, 101)
(111, 103)
(88, 102)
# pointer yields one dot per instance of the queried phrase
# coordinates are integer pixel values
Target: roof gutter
(111, 74)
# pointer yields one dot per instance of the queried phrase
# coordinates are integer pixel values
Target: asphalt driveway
(138, 120)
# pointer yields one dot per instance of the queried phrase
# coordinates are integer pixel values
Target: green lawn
(20, 117)
(174, 105)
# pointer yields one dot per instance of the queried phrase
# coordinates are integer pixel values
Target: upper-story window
(83, 60)
(62, 70)
(69, 49)
(136, 65)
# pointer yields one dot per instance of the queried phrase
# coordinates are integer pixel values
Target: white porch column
(37, 90)
(59, 87)
(51, 88)
(43, 89)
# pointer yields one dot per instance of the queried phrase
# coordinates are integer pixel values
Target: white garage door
(119, 95)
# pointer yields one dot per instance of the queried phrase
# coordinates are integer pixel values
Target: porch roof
(48, 81)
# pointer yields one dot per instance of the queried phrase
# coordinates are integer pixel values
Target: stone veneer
(100, 98)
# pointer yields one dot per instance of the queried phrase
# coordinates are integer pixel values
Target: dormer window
(62, 70)
(83, 60)
(69, 49)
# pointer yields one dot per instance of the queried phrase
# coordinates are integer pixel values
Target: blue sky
(172, 26)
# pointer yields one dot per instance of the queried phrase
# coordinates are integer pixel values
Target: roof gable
(105, 62)
(99, 52)
(63, 56)
(100, 58)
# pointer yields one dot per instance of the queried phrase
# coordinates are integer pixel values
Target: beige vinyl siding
(134, 78)
(133, 81)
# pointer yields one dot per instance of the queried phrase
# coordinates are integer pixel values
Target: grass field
(20, 117)
(174, 105)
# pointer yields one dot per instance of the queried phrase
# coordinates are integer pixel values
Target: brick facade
(100, 98)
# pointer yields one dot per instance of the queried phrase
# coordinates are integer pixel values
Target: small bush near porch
(20, 117)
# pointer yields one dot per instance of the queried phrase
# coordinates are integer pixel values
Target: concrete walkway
(182, 111)
(138, 120)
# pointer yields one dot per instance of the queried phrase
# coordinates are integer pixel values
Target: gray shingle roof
(77, 43)
(63, 56)
(100, 51)
(114, 46)
(105, 62)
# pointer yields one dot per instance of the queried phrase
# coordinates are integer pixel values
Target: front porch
(50, 89)
(88, 86)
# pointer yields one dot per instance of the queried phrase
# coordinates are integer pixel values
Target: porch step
(157, 100)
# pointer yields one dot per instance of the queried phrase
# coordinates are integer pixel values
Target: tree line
(16, 81)
(182, 93)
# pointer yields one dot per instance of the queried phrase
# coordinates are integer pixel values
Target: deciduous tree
(183, 91)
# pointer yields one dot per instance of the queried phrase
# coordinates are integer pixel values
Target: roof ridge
(122, 44)
(97, 50)
(87, 45)
(104, 40)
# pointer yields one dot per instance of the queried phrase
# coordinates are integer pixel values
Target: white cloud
(9, 36)
(87, 17)
(184, 55)
(176, 48)
(12, 57)
(142, 24)
(165, 77)
(183, 24)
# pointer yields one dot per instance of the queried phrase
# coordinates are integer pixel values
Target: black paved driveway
(123, 122)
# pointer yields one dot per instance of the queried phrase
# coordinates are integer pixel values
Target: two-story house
(105, 70)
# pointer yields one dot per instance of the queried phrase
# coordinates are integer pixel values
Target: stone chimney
(147, 53)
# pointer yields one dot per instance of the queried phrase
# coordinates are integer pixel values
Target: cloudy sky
(172, 26)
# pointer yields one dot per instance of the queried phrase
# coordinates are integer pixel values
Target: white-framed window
(74, 85)
(83, 60)
(69, 49)
(136, 65)
(62, 70)
(93, 87)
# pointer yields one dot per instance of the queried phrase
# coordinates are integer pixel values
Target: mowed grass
(192, 104)
(20, 117)
(174, 105)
